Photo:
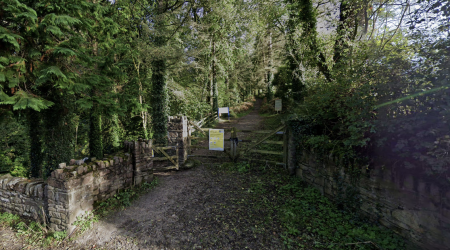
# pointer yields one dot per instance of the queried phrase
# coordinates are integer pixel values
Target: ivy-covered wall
(411, 205)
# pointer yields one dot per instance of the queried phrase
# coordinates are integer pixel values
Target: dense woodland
(359, 79)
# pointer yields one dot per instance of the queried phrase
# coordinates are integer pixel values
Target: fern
(54, 30)
(64, 51)
(11, 39)
(66, 20)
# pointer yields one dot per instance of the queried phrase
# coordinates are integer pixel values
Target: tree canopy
(77, 78)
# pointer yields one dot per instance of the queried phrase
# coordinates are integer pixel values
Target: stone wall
(24, 197)
(141, 159)
(178, 138)
(73, 188)
(407, 204)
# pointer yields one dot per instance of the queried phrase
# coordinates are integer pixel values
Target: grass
(308, 220)
(31, 233)
(241, 114)
(123, 199)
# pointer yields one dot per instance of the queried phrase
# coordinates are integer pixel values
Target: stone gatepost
(179, 136)
(69, 196)
(141, 155)
(142, 162)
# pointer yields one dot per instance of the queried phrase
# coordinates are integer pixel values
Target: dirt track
(207, 207)
(200, 208)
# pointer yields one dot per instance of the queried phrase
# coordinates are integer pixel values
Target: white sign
(224, 110)
(216, 139)
(278, 105)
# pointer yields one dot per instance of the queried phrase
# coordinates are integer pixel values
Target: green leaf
(23, 100)
(2, 77)
(85, 103)
(64, 51)
(4, 60)
(12, 39)
(13, 81)
(5, 99)
(54, 30)
(48, 72)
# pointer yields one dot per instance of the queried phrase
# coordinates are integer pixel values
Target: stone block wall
(72, 190)
(179, 134)
(24, 197)
(417, 209)
(141, 159)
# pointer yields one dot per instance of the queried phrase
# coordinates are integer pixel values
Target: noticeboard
(224, 110)
(278, 105)
(216, 139)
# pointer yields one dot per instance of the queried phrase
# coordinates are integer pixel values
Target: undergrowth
(311, 219)
(308, 219)
(31, 233)
(123, 199)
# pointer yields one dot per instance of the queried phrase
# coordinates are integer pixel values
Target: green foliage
(34, 234)
(412, 126)
(123, 198)
(85, 221)
(36, 134)
(160, 102)
(283, 82)
(9, 220)
(95, 136)
(58, 133)
(311, 216)
(14, 146)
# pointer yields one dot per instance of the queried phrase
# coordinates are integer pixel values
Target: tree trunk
(160, 96)
(60, 132)
(215, 91)
(296, 76)
(95, 134)
(36, 156)
(269, 70)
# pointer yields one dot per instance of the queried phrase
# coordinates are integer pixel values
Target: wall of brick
(411, 206)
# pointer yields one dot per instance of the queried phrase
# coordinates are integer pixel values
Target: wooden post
(232, 149)
(233, 143)
(291, 157)
(285, 146)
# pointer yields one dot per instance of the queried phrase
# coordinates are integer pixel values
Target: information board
(216, 139)
(224, 110)
(278, 105)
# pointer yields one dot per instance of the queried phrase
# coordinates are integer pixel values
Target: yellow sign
(216, 139)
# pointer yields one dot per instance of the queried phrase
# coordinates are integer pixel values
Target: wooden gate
(173, 159)
(238, 152)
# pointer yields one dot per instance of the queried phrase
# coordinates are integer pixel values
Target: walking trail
(200, 208)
